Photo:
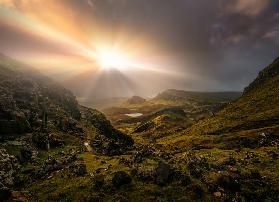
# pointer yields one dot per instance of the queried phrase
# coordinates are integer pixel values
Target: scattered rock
(197, 165)
(143, 152)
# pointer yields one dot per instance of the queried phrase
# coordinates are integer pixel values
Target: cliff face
(266, 74)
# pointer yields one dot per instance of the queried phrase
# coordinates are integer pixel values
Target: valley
(184, 146)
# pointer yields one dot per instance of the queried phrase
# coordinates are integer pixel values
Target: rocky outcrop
(8, 168)
(29, 100)
(107, 140)
(265, 75)
(143, 127)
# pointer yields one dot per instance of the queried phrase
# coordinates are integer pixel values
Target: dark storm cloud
(224, 42)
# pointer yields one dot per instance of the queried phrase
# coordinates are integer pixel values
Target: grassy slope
(248, 125)
(258, 108)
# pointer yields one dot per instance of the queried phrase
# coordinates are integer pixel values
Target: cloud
(248, 7)
(224, 42)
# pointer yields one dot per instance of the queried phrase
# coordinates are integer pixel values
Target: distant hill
(134, 100)
(102, 103)
(205, 97)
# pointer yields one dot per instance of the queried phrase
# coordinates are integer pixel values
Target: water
(134, 115)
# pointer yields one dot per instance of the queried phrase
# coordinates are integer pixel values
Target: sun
(111, 59)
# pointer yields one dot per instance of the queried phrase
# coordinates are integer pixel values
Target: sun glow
(111, 59)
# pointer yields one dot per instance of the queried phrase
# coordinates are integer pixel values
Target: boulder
(229, 161)
(5, 192)
(162, 173)
(228, 182)
(178, 176)
(121, 178)
(79, 169)
(25, 155)
(98, 181)
(146, 176)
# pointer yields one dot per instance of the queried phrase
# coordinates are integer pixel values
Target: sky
(115, 48)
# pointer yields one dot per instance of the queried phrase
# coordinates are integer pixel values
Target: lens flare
(111, 59)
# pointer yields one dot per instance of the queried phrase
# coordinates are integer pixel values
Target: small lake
(134, 115)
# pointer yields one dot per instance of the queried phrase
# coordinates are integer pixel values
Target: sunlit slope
(257, 108)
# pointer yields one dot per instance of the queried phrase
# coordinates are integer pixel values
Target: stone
(145, 176)
(228, 183)
(197, 189)
(5, 193)
(230, 161)
(99, 181)
(232, 169)
(25, 155)
(185, 180)
(121, 178)
(79, 169)
(162, 174)
(217, 194)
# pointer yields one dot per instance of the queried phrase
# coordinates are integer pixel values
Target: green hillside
(245, 135)
(257, 108)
